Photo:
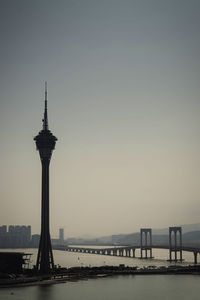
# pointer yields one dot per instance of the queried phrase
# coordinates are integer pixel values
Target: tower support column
(146, 244)
(175, 245)
(45, 262)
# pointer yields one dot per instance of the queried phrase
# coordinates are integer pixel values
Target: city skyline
(124, 100)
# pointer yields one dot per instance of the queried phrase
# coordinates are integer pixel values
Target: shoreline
(63, 275)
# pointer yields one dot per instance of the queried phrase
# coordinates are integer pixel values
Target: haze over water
(123, 92)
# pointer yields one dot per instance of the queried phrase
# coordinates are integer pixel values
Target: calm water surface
(162, 287)
(158, 287)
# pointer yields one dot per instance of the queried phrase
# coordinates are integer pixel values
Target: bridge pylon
(146, 244)
(175, 245)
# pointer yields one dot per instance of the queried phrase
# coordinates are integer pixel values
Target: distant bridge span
(127, 251)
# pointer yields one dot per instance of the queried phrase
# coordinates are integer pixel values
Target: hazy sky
(124, 102)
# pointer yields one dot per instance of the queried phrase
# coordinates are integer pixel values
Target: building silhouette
(15, 236)
(61, 235)
(45, 144)
(35, 240)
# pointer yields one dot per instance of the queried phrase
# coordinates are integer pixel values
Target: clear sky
(124, 102)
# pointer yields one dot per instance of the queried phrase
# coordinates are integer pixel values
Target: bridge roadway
(126, 251)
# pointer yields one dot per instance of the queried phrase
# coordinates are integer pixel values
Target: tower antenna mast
(45, 120)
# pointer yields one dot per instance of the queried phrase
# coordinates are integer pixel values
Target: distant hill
(191, 236)
(185, 228)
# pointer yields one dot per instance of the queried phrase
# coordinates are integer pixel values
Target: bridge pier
(133, 250)
(195, 257)
(146, 245)
(174, 248)
(115, 252)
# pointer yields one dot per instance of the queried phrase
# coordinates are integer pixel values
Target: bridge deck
(85, 249)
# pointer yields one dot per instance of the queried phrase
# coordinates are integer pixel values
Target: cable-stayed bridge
(145, 248)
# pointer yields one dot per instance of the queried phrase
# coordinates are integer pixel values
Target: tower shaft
(45, 262)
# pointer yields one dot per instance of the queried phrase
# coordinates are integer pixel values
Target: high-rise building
(16, 236)
(3, 229)
(61, 235)
(45, 144)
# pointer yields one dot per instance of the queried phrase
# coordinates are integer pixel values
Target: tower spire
(45, 120)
